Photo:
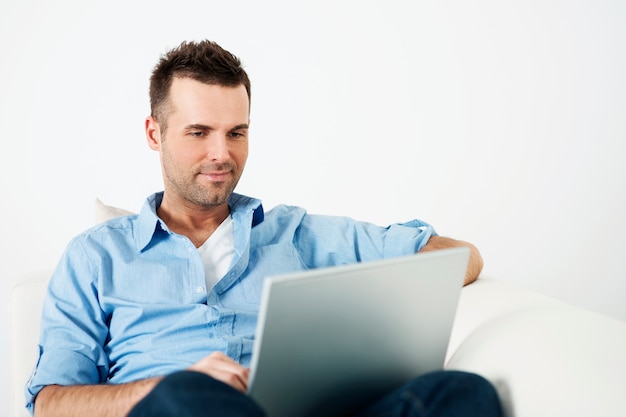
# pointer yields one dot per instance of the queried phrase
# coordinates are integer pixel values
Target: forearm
(91, 400)
(475, 264)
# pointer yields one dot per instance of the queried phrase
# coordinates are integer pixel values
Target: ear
(153, 133)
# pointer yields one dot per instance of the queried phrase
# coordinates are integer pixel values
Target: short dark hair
(203, 61)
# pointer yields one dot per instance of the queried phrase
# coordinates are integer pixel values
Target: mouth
(216, 176)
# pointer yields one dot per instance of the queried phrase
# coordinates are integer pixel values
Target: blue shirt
(128, 300)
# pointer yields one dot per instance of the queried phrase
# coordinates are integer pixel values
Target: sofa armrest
(544, 356)
(25, 303)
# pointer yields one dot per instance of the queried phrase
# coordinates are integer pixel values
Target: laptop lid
(330, 341)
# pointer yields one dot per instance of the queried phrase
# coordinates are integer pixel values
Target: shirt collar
(149, 226)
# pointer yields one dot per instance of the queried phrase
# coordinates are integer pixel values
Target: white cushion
(104, 212)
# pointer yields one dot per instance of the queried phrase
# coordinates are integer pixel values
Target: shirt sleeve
(328, 241)
(73, 327)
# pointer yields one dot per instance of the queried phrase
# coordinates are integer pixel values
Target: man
(155, 314)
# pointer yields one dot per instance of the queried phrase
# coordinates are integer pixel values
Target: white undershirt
(217, 253)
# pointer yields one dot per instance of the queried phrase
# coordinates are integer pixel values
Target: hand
(224, 369)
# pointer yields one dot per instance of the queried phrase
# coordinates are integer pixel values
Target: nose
(218, 150)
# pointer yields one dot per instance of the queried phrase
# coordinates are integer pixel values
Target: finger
(224, 369)
(232, 379)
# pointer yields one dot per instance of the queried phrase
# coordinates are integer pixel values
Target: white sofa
(545, 357)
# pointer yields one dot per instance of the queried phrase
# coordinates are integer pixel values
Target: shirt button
(199, 290)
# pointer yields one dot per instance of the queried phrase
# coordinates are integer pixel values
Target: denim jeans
(444, 393)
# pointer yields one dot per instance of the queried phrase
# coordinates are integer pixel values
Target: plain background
(499, 122)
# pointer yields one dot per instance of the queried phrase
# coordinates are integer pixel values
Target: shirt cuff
(61, 367)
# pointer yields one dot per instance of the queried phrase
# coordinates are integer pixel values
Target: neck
(197, 223)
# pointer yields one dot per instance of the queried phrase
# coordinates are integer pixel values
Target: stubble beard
(210, 196)
(201, 195)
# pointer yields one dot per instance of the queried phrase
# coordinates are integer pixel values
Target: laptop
(332, 340)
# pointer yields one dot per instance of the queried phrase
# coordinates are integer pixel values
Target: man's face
(205, 147)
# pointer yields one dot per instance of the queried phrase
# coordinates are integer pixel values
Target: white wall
(502, 123)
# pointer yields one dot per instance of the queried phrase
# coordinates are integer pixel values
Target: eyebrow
(241, 126)
(198, 126)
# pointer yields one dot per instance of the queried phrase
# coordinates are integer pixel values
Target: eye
(196, 134)
(236, 135)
